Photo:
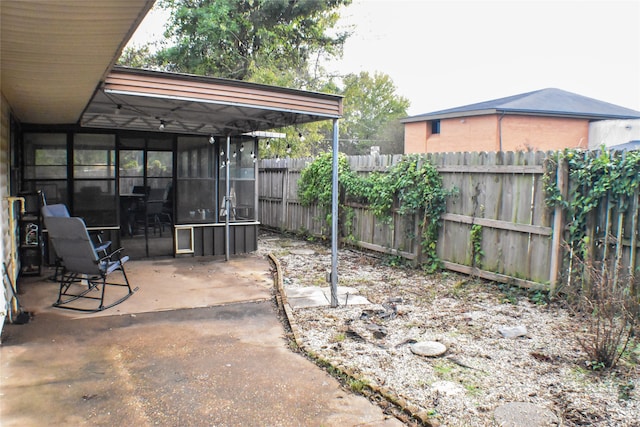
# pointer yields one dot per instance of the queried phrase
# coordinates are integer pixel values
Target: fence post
(634, 241)
(558, 226)
(285, 198)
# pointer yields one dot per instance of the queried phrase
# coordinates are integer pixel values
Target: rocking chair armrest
(115, 254)
(103, 247)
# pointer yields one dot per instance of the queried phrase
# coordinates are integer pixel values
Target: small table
(129, 203)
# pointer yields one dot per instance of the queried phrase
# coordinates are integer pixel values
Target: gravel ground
(481, 370)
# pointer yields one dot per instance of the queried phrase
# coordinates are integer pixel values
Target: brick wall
(493, 133)
(415, 137)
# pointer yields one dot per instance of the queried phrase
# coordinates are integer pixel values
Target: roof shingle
(544, 102)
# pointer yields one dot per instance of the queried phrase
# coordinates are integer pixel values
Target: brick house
(546, 119)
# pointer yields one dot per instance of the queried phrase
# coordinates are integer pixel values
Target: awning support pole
(334, 218)
(227, 200)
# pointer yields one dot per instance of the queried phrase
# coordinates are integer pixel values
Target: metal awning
(145, 100)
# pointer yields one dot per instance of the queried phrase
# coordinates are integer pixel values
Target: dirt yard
(481, 369)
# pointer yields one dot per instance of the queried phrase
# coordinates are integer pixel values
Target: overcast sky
(449, 53)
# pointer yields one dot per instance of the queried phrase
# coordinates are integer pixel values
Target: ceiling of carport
(53, 53)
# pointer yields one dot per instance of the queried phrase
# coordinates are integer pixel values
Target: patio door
(146, 197)
(158, 207)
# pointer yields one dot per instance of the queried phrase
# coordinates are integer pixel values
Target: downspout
(227, 200)
(334, 218)
(500, 131)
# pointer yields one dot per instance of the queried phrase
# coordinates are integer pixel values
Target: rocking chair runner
(73, 245)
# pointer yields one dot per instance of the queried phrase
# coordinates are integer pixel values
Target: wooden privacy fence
(499, 196)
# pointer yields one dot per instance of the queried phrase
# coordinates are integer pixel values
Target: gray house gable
(545, 102)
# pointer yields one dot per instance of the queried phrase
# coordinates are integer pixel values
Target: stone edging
(406, 407)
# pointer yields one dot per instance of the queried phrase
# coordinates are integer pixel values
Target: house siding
(498, 133)
(613, 132)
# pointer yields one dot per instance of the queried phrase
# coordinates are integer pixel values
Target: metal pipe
(227, 200)
(334, 218)
(13, 256)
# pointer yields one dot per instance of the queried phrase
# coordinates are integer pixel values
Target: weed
(358, 385)
(509, 292)
(610, 312)
(539, 297)
(459, 289)
(319, 280)
(443, 369)
(625, 390)
(473, 389)
(594, 365)
(339, 337)
(395, 261)
(412, 325)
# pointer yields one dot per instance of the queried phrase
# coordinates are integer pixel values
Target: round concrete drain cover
(428, 348)
(522, 414)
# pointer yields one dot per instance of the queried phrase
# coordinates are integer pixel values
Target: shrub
(610, 311)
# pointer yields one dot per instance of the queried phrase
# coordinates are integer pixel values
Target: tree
(238, 39)
(371, 112)
(137, 57)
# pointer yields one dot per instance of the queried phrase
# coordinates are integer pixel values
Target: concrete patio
(199, 343)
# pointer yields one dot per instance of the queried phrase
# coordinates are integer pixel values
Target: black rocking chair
(82, 263)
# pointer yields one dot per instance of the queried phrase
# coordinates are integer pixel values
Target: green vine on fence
(476, 245)
(593, 176)
(612, 310)
(412, 186)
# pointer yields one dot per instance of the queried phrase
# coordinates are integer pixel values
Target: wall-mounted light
(268, 144)
(162, 124)
(234, 154)
(223, 164)
(212, 140)
(221, 152)
(241, 148)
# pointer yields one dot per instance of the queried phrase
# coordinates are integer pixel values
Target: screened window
(242, 182)
(94, 174)
(195, 193)
(45, 165)
(45, 156)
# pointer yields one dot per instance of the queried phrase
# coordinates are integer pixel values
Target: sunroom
(164, 163)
